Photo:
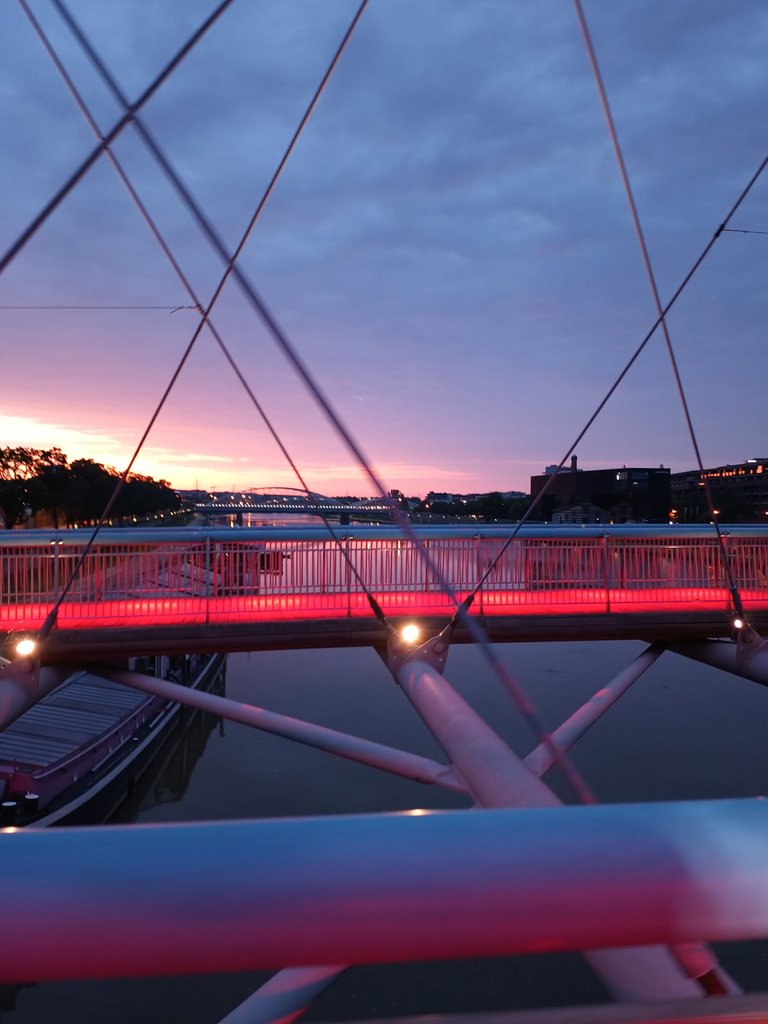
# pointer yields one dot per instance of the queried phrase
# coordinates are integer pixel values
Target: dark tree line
(43, 480)
(488, 507)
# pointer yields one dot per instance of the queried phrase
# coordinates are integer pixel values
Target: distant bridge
(290, 501)
(164, 590)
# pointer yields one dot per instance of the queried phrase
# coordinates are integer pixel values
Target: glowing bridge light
(26, 647)
(739, 623)
(411, 633)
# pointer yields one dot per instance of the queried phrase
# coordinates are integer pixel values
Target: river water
(682, 732)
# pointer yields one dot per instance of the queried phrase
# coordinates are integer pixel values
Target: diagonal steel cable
(205, 314)
(172, 309)
(601, 405)
(512, 686)
(711, 978)
(227, 258)
(627, 367)
(130, 111)
(599, 82)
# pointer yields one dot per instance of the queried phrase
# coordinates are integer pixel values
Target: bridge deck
(149, 590)
(230, 624)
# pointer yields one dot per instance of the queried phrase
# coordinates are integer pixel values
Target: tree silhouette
(42, 480)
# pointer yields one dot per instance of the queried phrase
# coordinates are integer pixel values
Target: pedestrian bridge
(148, 590)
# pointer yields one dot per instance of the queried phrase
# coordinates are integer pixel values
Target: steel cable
(723, 552)
(173, 309)
(130, 111)
(505, 677)
(711, 982)
(205, 314)
(627, 367)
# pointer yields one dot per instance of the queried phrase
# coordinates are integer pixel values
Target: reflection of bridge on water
(291, 501)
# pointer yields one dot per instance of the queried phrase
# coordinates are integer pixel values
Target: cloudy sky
(449, 248)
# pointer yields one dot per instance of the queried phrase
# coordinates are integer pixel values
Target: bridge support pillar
(496, 777)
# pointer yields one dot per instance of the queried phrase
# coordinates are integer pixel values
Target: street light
(410, 633)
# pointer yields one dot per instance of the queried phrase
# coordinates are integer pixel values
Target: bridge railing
(305, 572)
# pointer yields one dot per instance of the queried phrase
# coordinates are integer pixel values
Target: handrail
(635, 531)
(249, 574)
(387, 888)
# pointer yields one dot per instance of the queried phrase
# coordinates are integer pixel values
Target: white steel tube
(748, 661)
(354, 748)
(286, 996)
(498, 778)
(540, 760)
(240, 896)
(495, 774)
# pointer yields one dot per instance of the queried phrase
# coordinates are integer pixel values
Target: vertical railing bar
(348, 575)
(604, 547)
(207, 576)
(56, 549)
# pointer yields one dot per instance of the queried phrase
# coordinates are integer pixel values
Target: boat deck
(81, 710)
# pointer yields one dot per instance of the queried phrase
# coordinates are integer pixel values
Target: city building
(739, 493)
(439, 498)
(573, 468)
(626, 494)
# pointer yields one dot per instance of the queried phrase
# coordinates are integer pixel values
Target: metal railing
(217, 572)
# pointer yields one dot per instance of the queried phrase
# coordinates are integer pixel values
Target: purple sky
(449, 248)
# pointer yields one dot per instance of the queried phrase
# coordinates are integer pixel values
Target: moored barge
(73, 757)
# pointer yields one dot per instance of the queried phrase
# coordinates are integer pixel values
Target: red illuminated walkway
(157, 613)
(148, 590)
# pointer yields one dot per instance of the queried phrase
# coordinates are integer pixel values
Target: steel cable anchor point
(749, 642)
(402, 647)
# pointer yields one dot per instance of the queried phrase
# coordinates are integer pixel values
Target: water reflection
(167, 780)
(296, 519)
